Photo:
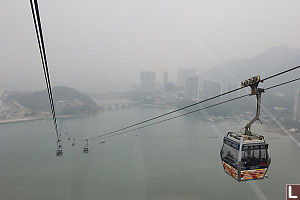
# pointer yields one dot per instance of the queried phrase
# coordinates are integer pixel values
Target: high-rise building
(170, 87)
(297, 106)
(165, 77)
(1, 91)
(192, 87)
(1, 96)
(182, 75)
(147, 81)
(211, 88)
(165, 80)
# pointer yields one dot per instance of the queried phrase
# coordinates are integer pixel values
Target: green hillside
(68, 101)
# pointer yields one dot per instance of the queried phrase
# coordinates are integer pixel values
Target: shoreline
(267, 127)
(275, 128)
(19, 120)
(155, 105)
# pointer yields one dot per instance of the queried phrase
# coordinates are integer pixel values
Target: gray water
(175, 160)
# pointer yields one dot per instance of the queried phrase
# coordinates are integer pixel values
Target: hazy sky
(102, 45)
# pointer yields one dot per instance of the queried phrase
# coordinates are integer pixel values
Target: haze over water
(174, 160)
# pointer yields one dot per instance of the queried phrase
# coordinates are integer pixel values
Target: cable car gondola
(245, 156)
(86, 147)
(59, 150)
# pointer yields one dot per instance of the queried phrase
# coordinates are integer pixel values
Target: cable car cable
(45, 59)
(42, 58)
(161, 121)
(280, 84)
(39, 34)
(280, 73)
(46, 72)
(168, 113)
(177, 116)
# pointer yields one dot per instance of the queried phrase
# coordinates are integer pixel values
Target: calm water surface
(175, 160)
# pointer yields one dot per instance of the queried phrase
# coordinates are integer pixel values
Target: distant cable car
(86, 147)
(73, 142)
(59, 150)
(245, 156)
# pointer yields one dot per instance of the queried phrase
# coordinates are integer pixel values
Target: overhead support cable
(280, 84)
(43, 64)
(177, 116)
(168, 113)
(42, 49)
(280, 73)
(114, 133)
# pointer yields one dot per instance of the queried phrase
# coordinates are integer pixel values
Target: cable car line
(41, 44)
(38, 28)
(39, 34)
(168, 119)
(181, 115)
(280, 84)
(245, 155)
(280, 73)
(254, 84)
(208, 137)
(249, 168)
(168, 113)
(211, 98)
(44, 68)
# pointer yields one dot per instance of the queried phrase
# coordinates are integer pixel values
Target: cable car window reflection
(263, 153)
(255, 154)
(229, 153)
(252, 156)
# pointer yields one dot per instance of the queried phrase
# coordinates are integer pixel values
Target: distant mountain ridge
(278, 102)
(68, 101)
(270, 62)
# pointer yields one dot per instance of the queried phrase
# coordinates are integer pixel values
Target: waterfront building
(1, 96)
(211, 88)
(165, 77)
(147, 81)
(1, 91)
(182, 75)
(192, 87)
(170, 87)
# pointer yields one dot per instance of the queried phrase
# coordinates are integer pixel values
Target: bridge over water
(114, 103)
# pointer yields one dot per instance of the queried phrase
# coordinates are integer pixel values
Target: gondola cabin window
(230, 154)
(255, 156)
